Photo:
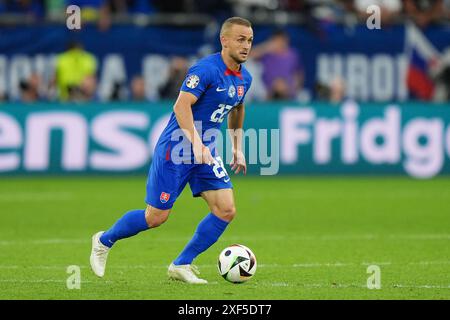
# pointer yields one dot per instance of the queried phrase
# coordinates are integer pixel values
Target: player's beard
(237, 58)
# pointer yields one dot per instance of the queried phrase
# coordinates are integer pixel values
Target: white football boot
(186, 273)
(99, 254)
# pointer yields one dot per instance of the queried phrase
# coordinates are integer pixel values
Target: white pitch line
(251, 238)
(271, 284)
(131, 267)
(426, 263)
(275, 265)
(318, 265)
(347, 286)
(425, 286)
(40, 281)
(340, 264)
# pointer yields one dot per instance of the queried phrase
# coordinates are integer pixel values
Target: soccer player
(214, 87)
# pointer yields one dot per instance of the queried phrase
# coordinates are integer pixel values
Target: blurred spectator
(333, 92)
(322, 92)
(259, 8)
(138, 89)
(33, 8)
(424, 12)
(218, 8)
(170, 6)
(119, 91)
(321, 11)
(118, 6)
(76, 73)
(55, 8)
(389, 9)
(337, 90)
(94, 10)
(29, 89)
(349, 6)
(283, 73)
(441, 77)
(294, 5)
(139, 6)
(85, 92)
(89, 88)
(279, 90)
(177, 74)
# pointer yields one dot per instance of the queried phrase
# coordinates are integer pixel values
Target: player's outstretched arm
(235, 125)
(185, 119)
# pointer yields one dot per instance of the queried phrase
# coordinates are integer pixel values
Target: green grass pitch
(314, 238)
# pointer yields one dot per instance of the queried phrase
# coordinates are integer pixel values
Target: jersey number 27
(220, 113)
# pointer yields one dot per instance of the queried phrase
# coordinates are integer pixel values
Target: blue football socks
(207, 233)
(130, 224)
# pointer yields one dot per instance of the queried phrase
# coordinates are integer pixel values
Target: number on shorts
(219, 168)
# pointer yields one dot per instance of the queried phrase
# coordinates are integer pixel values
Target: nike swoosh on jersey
(219, 90)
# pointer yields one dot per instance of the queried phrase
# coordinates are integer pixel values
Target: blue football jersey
(218, 90)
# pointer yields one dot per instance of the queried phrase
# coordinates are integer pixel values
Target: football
(237, 263)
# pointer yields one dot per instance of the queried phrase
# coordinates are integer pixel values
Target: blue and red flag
(423, 58)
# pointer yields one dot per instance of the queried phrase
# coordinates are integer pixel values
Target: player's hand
(207, 157)
(238, 163)
(203, 155)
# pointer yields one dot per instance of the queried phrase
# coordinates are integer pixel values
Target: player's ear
(223, 41)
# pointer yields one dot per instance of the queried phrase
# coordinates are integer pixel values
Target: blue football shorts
(166, 180)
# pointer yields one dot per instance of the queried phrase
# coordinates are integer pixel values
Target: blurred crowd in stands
(283, 74)
(423, 12)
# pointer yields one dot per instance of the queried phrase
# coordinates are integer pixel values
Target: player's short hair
(234, 20)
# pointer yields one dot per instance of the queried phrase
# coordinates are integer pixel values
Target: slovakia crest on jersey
(240, 91)
(164, 197)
